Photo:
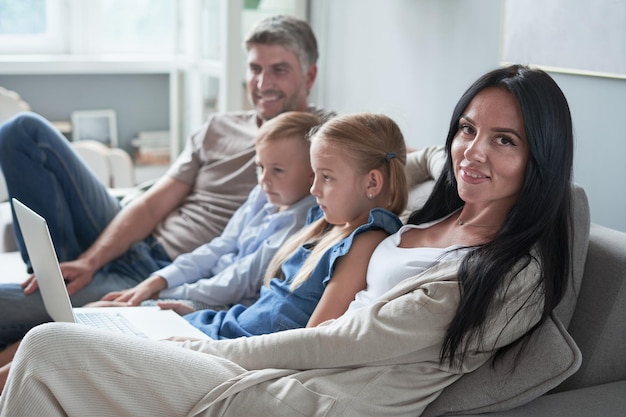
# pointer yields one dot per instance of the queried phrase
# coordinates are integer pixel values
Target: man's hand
(30, 285)
(76, 274)
(146, 289)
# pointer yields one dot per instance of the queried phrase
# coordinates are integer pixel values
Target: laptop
(149, 322)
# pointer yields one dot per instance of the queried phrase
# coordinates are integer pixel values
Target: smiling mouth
(473, 175)
(269, 96)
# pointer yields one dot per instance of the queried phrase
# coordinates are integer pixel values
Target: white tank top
(391, 264)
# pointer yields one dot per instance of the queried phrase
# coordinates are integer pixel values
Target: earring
(370, 196)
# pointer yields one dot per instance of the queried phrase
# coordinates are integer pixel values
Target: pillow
(579, 244)
(549, 358)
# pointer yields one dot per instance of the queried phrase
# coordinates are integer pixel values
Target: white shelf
(91, 64)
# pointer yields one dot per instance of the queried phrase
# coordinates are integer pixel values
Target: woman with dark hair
(538, 221)
(481, 266)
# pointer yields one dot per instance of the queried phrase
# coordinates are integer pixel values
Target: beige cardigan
(381, 360)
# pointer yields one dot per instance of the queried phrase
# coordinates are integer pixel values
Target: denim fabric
(19, 312)
(43, 172)
(280, 307)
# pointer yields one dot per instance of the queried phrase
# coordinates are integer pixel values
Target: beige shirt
(218, 162)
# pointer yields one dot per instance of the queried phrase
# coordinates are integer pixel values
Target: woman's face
(490, 151)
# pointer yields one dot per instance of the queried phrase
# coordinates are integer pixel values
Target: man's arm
(132, 224)
(136, 221)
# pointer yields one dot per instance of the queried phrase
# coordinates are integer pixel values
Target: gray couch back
(599, 322)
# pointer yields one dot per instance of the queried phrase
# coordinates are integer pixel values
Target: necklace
(462, 223)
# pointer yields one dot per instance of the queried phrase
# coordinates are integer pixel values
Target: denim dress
(278, 307)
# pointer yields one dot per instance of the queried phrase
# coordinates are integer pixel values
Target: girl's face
(490, 151)
(283, 170)
(340, 190)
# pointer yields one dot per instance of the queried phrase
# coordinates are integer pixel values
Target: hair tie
(390, 156)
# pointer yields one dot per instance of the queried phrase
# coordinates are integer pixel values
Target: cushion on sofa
(606, 400)
(550, 357)
(599, 322)
(580, 242)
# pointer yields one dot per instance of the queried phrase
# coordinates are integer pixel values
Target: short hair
(294, 34)
(287, 125)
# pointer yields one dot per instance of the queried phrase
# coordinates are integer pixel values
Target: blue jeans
(42, 171)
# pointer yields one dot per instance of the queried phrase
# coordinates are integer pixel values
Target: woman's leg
(4, 373)
(69, 369)
(42, 171)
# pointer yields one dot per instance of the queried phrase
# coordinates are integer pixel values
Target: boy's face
(284, 170)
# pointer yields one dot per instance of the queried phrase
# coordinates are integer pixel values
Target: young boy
(230, 268)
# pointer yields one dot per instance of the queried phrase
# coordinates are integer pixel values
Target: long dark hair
(540, 219)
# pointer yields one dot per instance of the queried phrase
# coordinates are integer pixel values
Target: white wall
(412, 59)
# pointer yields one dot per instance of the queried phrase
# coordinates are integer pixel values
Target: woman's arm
(349, 277)
(412, 317)
(406, 325)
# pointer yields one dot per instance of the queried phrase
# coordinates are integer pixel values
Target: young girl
(360, 186)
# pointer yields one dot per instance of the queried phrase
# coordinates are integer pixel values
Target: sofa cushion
(599, 322)
(580, 243)
(606, 400)
(549, 359)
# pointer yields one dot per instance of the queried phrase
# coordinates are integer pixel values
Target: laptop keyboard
(114, 322)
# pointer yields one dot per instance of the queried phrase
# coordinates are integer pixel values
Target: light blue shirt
(230, 268)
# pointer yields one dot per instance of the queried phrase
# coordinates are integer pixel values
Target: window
(87, 27)
(122, 26)
(32, 26)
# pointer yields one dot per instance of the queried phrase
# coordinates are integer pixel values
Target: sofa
(575, 365)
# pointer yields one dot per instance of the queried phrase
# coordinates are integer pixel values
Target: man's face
(276, 81)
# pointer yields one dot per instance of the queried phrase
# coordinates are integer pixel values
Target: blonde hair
(292, 124)
(370, 141)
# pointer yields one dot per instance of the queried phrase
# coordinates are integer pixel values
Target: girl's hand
(145, 290)
(179, 307)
